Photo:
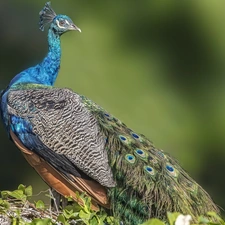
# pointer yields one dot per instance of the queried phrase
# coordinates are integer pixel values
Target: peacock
(76, 145)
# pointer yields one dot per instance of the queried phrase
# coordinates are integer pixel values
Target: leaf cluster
(15, 205)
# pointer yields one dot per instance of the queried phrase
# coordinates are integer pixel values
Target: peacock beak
(74, 27)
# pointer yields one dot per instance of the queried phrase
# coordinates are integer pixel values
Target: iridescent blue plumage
(44, 73)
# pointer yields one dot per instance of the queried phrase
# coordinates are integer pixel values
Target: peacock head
(60, 24)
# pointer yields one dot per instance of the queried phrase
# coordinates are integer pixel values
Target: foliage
(15, 205)
(161, 61)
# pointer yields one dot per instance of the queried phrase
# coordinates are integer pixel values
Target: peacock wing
(55, 125)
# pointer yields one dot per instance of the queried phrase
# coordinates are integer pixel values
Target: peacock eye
(62, 22)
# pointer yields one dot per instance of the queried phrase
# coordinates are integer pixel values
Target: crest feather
(47, 15)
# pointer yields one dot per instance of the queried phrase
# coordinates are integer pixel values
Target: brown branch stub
(24, 211)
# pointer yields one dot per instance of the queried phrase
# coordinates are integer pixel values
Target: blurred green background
(157, 65)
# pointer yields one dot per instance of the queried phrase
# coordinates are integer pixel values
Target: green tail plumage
(149, 182)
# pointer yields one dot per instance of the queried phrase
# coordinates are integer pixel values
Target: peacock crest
(47, 15)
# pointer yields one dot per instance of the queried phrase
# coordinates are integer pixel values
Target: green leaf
(70, 199)
(102, 217)
(203, 220)
(84, 215)
(153, 222)
(218, 218)
(18, 194)
(28, 191)
(5, 194)
(4, 204)
(61, 219)
(172, 217)
(87, 204)
(94, 221)
(75, 207)
(21, 187)
(14, 221)
(110, 220)
(41, 222)
(40, 204)
(70, 214)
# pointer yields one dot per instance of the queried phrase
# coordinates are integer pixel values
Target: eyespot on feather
(130, 158)
(124, 139)
(141, 154)
(134, 135)
(108, 116)
(171, 170)
(149, 170)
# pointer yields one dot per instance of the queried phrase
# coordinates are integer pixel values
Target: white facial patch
(66, 21)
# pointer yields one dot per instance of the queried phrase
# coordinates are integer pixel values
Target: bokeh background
(157, 65)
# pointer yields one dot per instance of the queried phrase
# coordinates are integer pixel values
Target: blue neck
(51, 63)
(46, 72)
